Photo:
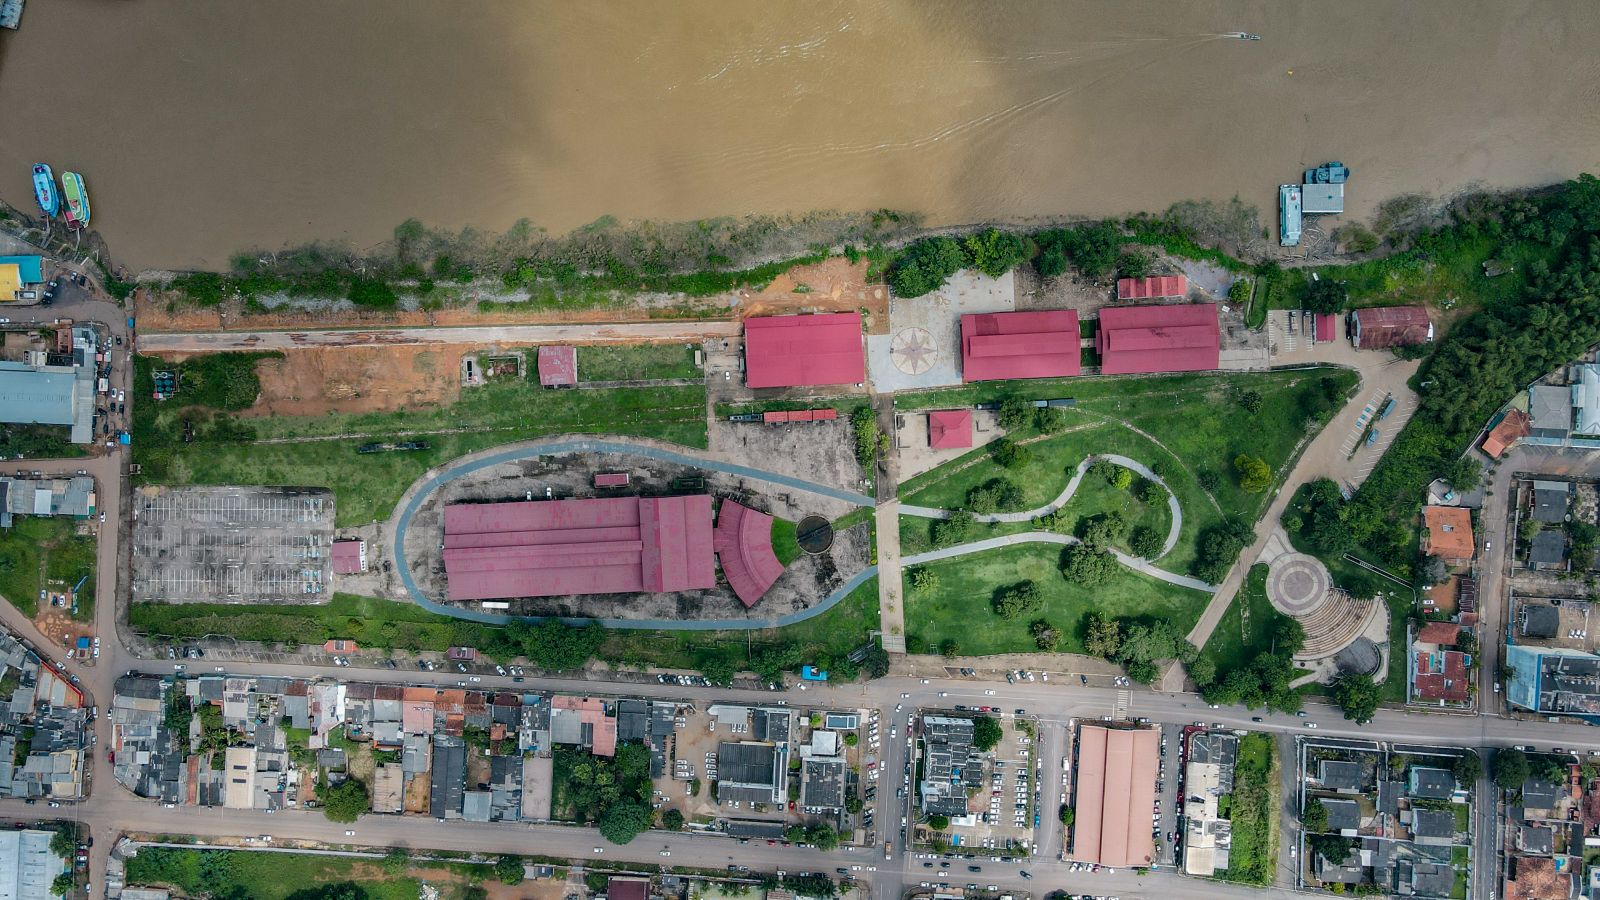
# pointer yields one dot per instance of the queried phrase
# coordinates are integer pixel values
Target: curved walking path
(1046, 537)
(928, 512)
(467, 465)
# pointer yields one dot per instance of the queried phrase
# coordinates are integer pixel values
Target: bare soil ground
(359, 379)
(54, 623)
(1068, 291)
(417, 793)
(833, 285)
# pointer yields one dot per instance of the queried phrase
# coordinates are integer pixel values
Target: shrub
(1018, 600)
(865, 423)
(1239, 291)
(1045, 636)
(925, 265)
(1010, 454)
(1254, 474)
(1121, 478)
(1135, 264)
(1145, 542)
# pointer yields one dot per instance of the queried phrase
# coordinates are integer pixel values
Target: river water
(203, 128)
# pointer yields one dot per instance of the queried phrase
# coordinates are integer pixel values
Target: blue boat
(44, 189)
(1333, 172)
(1290, 215)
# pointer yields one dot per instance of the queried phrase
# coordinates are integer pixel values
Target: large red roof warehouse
(1137, 339)
(1041, 344)
(798, 351)
(743, 540)
(1116, 788)
(551, 548)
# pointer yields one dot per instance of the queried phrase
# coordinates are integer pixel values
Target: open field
(40, 552)
(959, 608)
(1245, 631)
(637, 362)
(320, 451)
(277, 876)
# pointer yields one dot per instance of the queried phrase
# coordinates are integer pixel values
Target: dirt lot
(54, 623)
(820, 452)
(1069, 291)
(358, 379)
(833, 285)
(807, 580)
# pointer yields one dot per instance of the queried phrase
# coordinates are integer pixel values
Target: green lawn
(637, 362)
(268, 876)
(367, 486)
(961, 605)
(1236, 641)
(784, 544)
(45, 552)
(1254, 812)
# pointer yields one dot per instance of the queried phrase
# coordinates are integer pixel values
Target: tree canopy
(925, 265)
(1018, 600)
(1088, 566)
(1358, 696)
(622, 822)
(345, 801)
(986, 733)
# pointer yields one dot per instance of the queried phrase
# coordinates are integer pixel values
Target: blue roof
(32, 397)
(32, 267)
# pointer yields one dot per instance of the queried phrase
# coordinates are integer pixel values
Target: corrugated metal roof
(593, 546)
(1116, 790)
(1040, 344)
(31, 396)
(743, 541)
(558, 365)
(1380, 327)
(792, 351)
(950, 429)
(1154, 287)
(1138, 339)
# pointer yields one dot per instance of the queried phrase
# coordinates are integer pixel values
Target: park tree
(1049, 420)
(1015, 413)
(1145, 542)
(953, 530)
(925, 265)
(672, 820)
(1105, 529)
(1010, 454)
(1511, 769)
(1203, 670)
(508, 869)
(1220, 545)
(986, 733)
(1254, 474)
(876, 663)
(63, 884)
(938, 823)
(994, 495)
(949, 648)
(1102, 636)
(923, 581)
(1045, 636)
(1357, 696)
(1315, 816)
(994, 252)
(1067, 815)
(623, 821)
(1018, 600)
(1249, 401)
(1105, 470)
(1088, 566)
(717, 668)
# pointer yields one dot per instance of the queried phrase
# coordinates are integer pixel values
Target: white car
(666, 853)
(988, 693)
(599, 850)
(1311, 724)
(349, 834)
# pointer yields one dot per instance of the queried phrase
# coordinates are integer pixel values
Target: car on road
(474, 679)
(1256, 719)
(988, 693)
(666, 853)
(349, 834)
(1311, 724)
(1026, 874)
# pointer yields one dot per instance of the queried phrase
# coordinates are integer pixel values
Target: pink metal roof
(1327, 327)
(558, 365)
(1042, 344)
(744, 547)
(950, 429)
(1116, 790)
(346, 557)
(1391, 326)
(1183, 338)
(592, 712)
(550, 548)
(1154, 287)
(793, 351)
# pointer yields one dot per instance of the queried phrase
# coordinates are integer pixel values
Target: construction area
(232, 544)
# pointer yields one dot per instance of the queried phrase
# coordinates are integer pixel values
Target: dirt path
(606, 333)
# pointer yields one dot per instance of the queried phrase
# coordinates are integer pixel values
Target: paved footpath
(1046, 537)
(891, 601)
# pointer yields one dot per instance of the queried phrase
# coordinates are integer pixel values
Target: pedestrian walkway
(891, 600)
(1046, 537)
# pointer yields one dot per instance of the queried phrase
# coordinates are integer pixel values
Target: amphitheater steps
(1334, 624)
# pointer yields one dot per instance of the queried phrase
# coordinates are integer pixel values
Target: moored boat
(1290, 215)
(1333, 172)
(44, 189)
(77, 197)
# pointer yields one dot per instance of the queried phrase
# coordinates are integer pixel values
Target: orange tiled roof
(1449, 531)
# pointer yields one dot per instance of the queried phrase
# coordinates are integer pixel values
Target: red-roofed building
(1440, 676)
(1155, 287)
(349, 557)
(1381, 327)
(743, 541)
(1116, 787)
(597, 730)
(551, 548)
(1327, 328)
(798, 351)
(950, 429)
(558, 366)
(1140, 339)
(1041, 344)
(1514, 426)
(1443, 634)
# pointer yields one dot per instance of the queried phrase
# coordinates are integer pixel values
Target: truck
(886, 850)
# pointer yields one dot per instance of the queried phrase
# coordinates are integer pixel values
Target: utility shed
(558, 366)
(803, 351)
(1322, 198)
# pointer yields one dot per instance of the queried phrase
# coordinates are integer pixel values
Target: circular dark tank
(815, 534)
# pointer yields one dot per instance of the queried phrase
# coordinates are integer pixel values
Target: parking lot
(232, 544)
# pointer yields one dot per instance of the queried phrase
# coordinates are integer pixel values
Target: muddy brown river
(203, 128)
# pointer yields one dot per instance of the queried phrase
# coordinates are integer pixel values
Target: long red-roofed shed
(799, 351)
(1154, 287)
(1139, 339)
(550, 548)
(1038, 344)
